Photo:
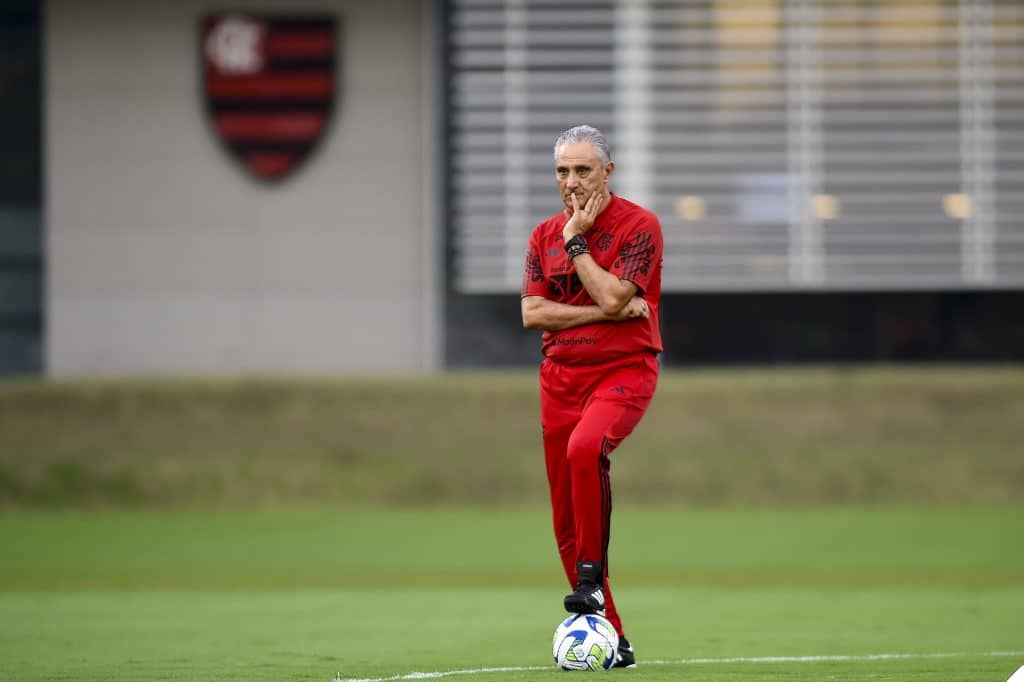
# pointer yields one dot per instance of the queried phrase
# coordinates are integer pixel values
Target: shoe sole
(581, 606)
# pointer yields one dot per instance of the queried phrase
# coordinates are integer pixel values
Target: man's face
(579, 171)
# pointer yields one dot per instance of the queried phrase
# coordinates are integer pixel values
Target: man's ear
(608, 170)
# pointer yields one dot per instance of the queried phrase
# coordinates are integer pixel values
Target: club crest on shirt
(269, 85)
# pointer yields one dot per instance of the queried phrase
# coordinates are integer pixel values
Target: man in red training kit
(592, 283)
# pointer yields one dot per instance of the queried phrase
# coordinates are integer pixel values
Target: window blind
(787, 145)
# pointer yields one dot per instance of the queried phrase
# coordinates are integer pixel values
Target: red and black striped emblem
(269, 82)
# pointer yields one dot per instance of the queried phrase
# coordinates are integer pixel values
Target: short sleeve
(639, 256)
(534, 282)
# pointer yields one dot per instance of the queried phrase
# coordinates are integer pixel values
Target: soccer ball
(585, 642)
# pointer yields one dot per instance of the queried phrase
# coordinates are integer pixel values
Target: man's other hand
(637, 307)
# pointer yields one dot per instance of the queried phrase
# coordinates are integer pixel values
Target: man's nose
(572, 181)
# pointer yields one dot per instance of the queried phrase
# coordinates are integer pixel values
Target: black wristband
(577, 246)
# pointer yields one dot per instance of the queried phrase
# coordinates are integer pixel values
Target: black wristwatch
(577, 246)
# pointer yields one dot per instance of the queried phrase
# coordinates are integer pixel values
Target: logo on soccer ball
(269, 83)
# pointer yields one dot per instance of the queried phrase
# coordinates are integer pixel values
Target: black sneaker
(588, 597)
(624, 657)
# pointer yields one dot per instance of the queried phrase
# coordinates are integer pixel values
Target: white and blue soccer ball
(585, 642)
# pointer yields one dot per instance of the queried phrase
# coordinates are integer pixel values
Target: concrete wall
(163, 256)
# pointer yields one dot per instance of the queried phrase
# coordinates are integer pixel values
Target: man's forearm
(609, 292)
(552, 316)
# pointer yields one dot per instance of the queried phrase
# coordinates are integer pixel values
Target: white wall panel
(163, 255)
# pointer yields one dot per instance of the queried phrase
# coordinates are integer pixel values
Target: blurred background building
(837, 180)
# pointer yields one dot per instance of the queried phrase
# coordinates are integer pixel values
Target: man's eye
(583, 173)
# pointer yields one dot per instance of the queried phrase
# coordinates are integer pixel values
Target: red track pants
(586, 411)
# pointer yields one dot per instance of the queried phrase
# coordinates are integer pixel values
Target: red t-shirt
(626, 241)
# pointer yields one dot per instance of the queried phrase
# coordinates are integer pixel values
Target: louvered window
(788, 145)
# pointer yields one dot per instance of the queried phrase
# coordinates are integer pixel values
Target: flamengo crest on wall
(269, 85)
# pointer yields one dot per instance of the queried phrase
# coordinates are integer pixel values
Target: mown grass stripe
(695, 661)
(816, 436)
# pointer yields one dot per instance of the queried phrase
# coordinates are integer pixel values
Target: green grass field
(809, 436)
(305, 594)
(806, 524)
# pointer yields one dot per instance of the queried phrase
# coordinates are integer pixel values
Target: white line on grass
(686, 661)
